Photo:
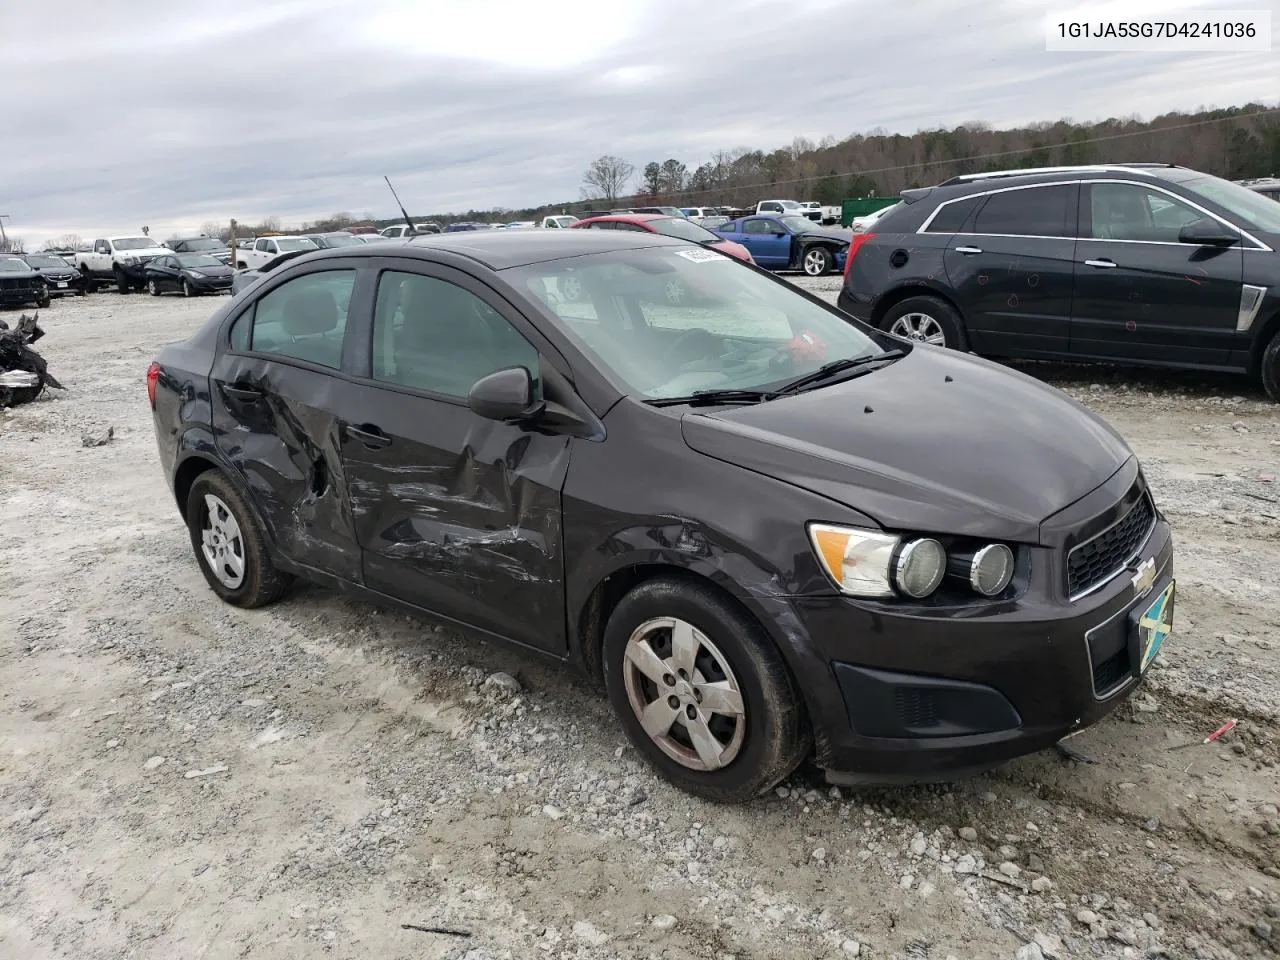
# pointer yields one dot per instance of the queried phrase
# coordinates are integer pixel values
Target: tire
(241, 265)
(90, 285)
(816, 261)
(45, 304)
(122, 282)
(259, 582)
(83, 290)
(935, 320)
(1270, 364)
(153, 288)
(186, 289)
(752, 752)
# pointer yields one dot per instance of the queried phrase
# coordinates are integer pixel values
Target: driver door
(768, 241)
(453, 512)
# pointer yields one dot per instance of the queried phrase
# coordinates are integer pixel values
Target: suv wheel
(1271, 367)
(926, 319)
(701, 691)
(229, 544)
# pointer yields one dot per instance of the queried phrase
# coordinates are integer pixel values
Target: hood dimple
(938, 441)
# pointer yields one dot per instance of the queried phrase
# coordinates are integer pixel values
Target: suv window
(102, 247)
(952, 217)
(1028, 212)
(1130, 211)
(304, 319)
(758, 226)
(434, 335)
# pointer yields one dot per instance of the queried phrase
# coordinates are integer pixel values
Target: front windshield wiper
(702, 397)
(828, 370)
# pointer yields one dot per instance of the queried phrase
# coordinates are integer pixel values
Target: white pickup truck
(267, 248)
(117, 259)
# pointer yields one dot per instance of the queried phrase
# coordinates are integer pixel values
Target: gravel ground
(180, 778)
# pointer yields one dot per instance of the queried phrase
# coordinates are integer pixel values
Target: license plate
(62, 284)
(1156, 624)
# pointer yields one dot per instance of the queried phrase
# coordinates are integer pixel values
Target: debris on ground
(97, 439)
(23, 373)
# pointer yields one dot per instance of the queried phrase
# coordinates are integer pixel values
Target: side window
(770, 208)
(304, 319)
(633, 227)
(1031, 212)
(101, 247)
(1129, 211)
(434, 335)
(758, 226)
(729, 227)
(951, 217)
(261, 244)
(603, 225)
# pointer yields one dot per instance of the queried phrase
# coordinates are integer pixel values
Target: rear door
(1012, 270)
(277, 393)
(453, 512)
(1142, 295)
(768, 241)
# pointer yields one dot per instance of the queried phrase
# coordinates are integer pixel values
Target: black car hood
(221, 270)
(938, 442)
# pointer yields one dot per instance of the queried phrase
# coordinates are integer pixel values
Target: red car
(677, 227)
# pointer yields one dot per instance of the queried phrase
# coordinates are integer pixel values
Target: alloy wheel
(684, 693)
(919, 327)
(222, 543)
(815, 263)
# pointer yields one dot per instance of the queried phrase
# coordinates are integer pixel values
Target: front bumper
(18, 297)
(210, 284)
(134, 271)
(918, 696)
(62, 285)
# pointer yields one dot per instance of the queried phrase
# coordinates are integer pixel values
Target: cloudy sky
(119, 113)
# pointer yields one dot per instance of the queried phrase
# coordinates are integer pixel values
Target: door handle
(1107, 264)
(369, 435)
(968, 251)
(242, 392)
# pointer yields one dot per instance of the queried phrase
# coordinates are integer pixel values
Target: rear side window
(951, 217)
(304, 319)
(434, 335)
(1032, 212)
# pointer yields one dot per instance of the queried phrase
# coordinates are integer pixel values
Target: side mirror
(505, 395)
(1207, 233)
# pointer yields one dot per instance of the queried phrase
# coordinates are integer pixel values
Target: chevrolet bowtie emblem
(1144, 577)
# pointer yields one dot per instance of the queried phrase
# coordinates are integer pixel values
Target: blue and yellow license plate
(1156, 624)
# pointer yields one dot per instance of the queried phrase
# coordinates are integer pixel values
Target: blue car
(789, 243)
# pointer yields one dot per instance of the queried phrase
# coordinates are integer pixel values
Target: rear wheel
(702, 692)
(926, 319)
(229, 545)
(1271, 367)
(817, 261)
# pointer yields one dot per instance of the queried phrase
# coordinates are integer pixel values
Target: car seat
(310, 318)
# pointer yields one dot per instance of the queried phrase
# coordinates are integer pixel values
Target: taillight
(854, 246)
(153, 377)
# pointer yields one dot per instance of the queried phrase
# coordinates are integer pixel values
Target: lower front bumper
(915, 699)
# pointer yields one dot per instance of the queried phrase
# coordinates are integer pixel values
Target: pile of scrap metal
(23, 376)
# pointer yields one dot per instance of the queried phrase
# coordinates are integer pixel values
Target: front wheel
(817, 261)
(702, 692)
(926, 319)
(186, 289)
(1271, 367)
(153, 288)
(229, 544)
(122, 282)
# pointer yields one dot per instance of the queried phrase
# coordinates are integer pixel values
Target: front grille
(1096, 561)
(17, 283)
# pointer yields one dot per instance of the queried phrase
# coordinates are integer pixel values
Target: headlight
(987, 570)
(128, 259)
(193, 273)
(865, 563)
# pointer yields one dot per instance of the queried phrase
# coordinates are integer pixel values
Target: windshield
(683, 230)
(1257, 211)
(208, 244)
(670, 321)
(565, 221)
(193, 260)
(134, 243)
(342, 240)
(799, 224)
(714, 221)
(13, 265)
(789, 205)
(295, 243)
(47, 262)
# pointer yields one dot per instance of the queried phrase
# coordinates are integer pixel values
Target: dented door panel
(276, 424)
(460, 515)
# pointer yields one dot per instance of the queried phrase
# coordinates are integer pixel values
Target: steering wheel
(693, 340)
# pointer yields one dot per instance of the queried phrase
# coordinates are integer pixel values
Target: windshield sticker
(700, 256)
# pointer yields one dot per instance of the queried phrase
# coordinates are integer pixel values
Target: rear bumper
(859, 307)
(912, 698)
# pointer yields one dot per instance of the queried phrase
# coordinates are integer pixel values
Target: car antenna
(407, 222)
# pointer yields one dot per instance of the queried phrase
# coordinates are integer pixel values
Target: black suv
(1146, 263)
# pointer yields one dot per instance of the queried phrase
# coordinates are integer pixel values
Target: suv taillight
(854, 246)
(153, 377)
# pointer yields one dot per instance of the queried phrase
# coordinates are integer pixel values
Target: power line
(986, 156)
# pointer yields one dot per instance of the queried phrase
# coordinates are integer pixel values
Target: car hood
(219, 271)
(938, 442)
(838, 232)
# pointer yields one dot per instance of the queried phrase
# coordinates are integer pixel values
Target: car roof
(625, 218)
(500, 249)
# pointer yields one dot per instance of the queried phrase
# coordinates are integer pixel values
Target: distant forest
(1235, 143)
